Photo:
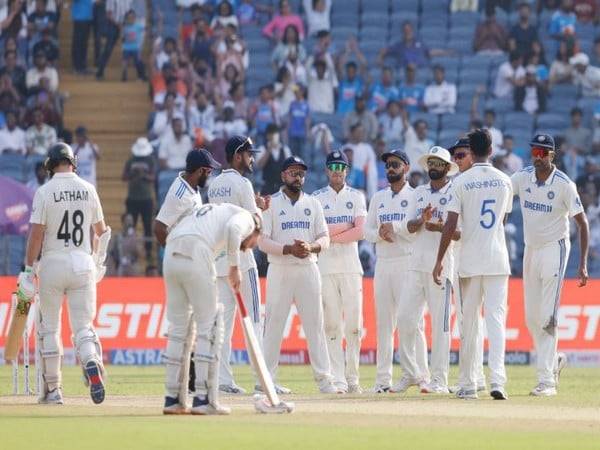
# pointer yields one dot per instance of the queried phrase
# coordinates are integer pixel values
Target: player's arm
(160, 232)
(415, 225)
(322, 233)
(34, 244)
(584, 235)
(447, 234)
(353, 234)
(371, 226)
(237, 229)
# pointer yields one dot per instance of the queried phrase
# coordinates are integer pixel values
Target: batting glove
(25, 288)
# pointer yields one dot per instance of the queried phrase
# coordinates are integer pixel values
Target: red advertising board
(131, 315)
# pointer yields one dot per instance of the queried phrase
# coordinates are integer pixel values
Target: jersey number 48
(77, 234)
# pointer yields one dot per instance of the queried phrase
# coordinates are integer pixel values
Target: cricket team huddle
(437, 242)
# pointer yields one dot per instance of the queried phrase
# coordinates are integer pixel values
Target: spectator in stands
(562, 22)
(290, 43)
(321, 139)
(523, 34)
(363, 116)
(490, 36)
(416, 142)
(270, 158)
(284, 91)
(242, 103)
(87, 154)
(411, 93)
(201, 46)
(202, 76)
(225, 16)
(264, 112)
(511, 74)
(578, 136)
(163, 117)
(383, 91)
(407, 51)
(275, 28)
(247, 12)
(12, 138)
(162, 51)
(124, 248)
(47, 45)
(231, 50)
(296, 68)
(39, 136)
(40, 71)
(324, 49)
(349, 89)
(363, 160)
(380, 148)
(416, 179)
(174, 145)
(586, 11)
(226, 79)
(512, 162)
(227, 125)
(440, 96)
(298, 123)
(391, 125)
(133, 40)
(40, 177)
(82, 14)
(7, 86)
(586, 76)
(537, 59)
(14, 71)
(201, 117)
(12, 22)
(489, 120)
(322, 82)
(172, 87)
(531, 97)
(115, 15)
(560, 69)
(317, 15)
(39, 20)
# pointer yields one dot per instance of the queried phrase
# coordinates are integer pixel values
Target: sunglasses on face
(393, 165)
(539, 152)
(296, 173)
(436, 163)
(337, 167)
(459, 156)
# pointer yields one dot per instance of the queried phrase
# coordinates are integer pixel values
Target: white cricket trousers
(299, 283)
(250, 290)
(462, 372)
(421, 291)
(543, 274)
(342, 310)
(491, 292)
(390, 286)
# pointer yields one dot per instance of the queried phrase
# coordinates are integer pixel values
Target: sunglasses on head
(336, 167)
(459, 155)
(393, 165)
(436, 163)
(539, 152)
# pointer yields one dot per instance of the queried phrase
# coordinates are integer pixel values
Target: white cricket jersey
(426, 243)
(217, 227)
(285, 221)
(482, 196)
(341, 207)
(68, 206)
(387, 207)
(546, 207)
(231, 187)
(180, 200)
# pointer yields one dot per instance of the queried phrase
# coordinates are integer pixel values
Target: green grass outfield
(131, 417)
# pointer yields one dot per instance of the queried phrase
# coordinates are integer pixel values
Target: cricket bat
(17, 326)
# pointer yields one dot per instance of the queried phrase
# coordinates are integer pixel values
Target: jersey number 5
(486, 211)
(77, 234)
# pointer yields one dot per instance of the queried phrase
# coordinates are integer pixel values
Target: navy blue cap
(463, 142)
(200, 158)
(239, 143)
(543, 140)
(336, 157)
(293, 161)
(398, 154)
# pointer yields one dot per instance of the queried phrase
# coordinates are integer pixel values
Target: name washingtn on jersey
(339, 219)
(295, 224)
(540, 207)
(391, 217)
(486, 184)
(70, 196)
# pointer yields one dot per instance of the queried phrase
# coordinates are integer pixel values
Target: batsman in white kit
(190, 278)
(64, 211)
(345, 212)
(426, 222)
(482, 197)
(548, 200)
(386, 227)
(294, 232)
(232, 187)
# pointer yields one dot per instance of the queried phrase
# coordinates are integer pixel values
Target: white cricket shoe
(542, 390)
(467, 394)
(232, 388)
(562, 363)
(434, 388)
(327, 387)
(404, 383)
(354, 389)
(201, 407)
(481, 387)
(53, 397)
(379, 389)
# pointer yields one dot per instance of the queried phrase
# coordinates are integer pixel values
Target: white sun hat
(142, 147)
(439, 153)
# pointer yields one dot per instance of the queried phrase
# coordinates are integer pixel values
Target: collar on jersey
(186, 184)
(444, 188)
(549, 180)
(64, 175)
(289, 199)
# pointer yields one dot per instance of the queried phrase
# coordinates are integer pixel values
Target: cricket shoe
(94, 376)
(467, 394)
(434, 388)
(379, 389)
(53, 397)
(498, 393)
(562, 363)
(542, 390)
(232, 388)
(454, 389)
(173, 407)
(281, 390)
(327, 387)
(354, 389)
(342, 387)
(201, 407)
(404, 383)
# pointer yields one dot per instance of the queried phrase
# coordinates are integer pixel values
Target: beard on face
(294, 186)
(435, 174)
(202, 180)
(394, 177)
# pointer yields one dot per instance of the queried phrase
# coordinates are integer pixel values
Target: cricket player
(482, 197)
(190, 278)
(386, 227)
(548, 199)
(426, 221)
(294, 233)
(345, 212)
(463, 157)
(67, 227)
(232, 187)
